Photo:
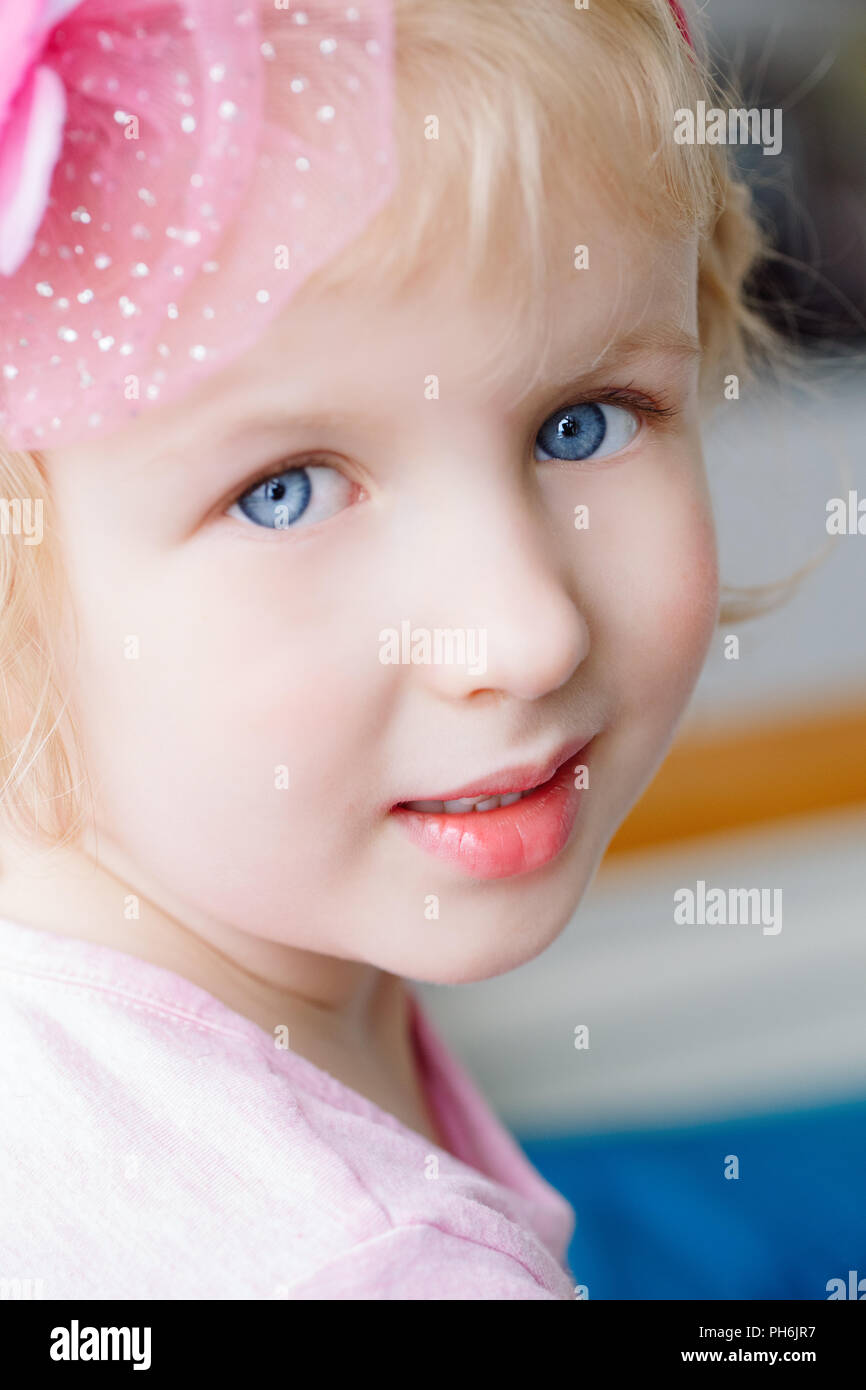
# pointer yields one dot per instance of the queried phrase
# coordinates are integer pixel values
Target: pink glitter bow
(171, 171)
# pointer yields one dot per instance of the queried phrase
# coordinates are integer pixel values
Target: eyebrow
(273, 421)
(660, 338)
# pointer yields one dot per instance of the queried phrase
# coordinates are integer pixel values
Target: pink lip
(515, 779)
(511, 839)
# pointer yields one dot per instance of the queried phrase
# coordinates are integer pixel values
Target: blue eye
(586, 431)
(294, 498)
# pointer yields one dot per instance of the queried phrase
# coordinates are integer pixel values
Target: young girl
(360, 616)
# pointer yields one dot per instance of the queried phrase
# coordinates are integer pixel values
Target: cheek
(679, 612)
(240, 717)
(657, 608)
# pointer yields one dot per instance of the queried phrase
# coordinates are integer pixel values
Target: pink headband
(155, 209)
(154, 215)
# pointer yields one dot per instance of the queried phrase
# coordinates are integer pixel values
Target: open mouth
(464, 805)
(499, 790)
(496, 833)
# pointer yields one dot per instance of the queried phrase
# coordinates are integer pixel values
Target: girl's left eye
(591, 430)
(295, 498)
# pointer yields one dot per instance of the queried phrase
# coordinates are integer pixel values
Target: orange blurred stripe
(720, 781)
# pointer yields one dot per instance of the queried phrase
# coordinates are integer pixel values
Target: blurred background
(719, 1042)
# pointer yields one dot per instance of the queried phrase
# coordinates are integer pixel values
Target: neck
(329, 1005)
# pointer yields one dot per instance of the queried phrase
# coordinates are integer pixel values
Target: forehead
(624, 284)
(358, 350)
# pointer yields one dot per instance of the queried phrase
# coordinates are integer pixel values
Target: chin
(487, 938)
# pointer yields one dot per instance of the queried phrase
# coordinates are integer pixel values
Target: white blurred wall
(773, 463)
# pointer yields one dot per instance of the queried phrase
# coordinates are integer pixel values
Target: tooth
(464, 804)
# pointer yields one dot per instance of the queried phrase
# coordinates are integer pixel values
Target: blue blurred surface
(657, 1219)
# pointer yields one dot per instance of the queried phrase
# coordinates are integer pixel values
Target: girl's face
(251, 723)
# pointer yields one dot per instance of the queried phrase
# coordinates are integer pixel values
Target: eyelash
(651, 408)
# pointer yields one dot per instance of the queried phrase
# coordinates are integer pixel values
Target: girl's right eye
(295, 498)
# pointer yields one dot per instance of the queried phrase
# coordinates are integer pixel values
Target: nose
(506, 595)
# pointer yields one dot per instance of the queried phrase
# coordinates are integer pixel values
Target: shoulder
(425, 1262)
(140, 1138)
(136, 1140)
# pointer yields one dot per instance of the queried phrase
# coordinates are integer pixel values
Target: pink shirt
(154, 1144)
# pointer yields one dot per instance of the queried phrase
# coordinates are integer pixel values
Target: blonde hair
(522, 95)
